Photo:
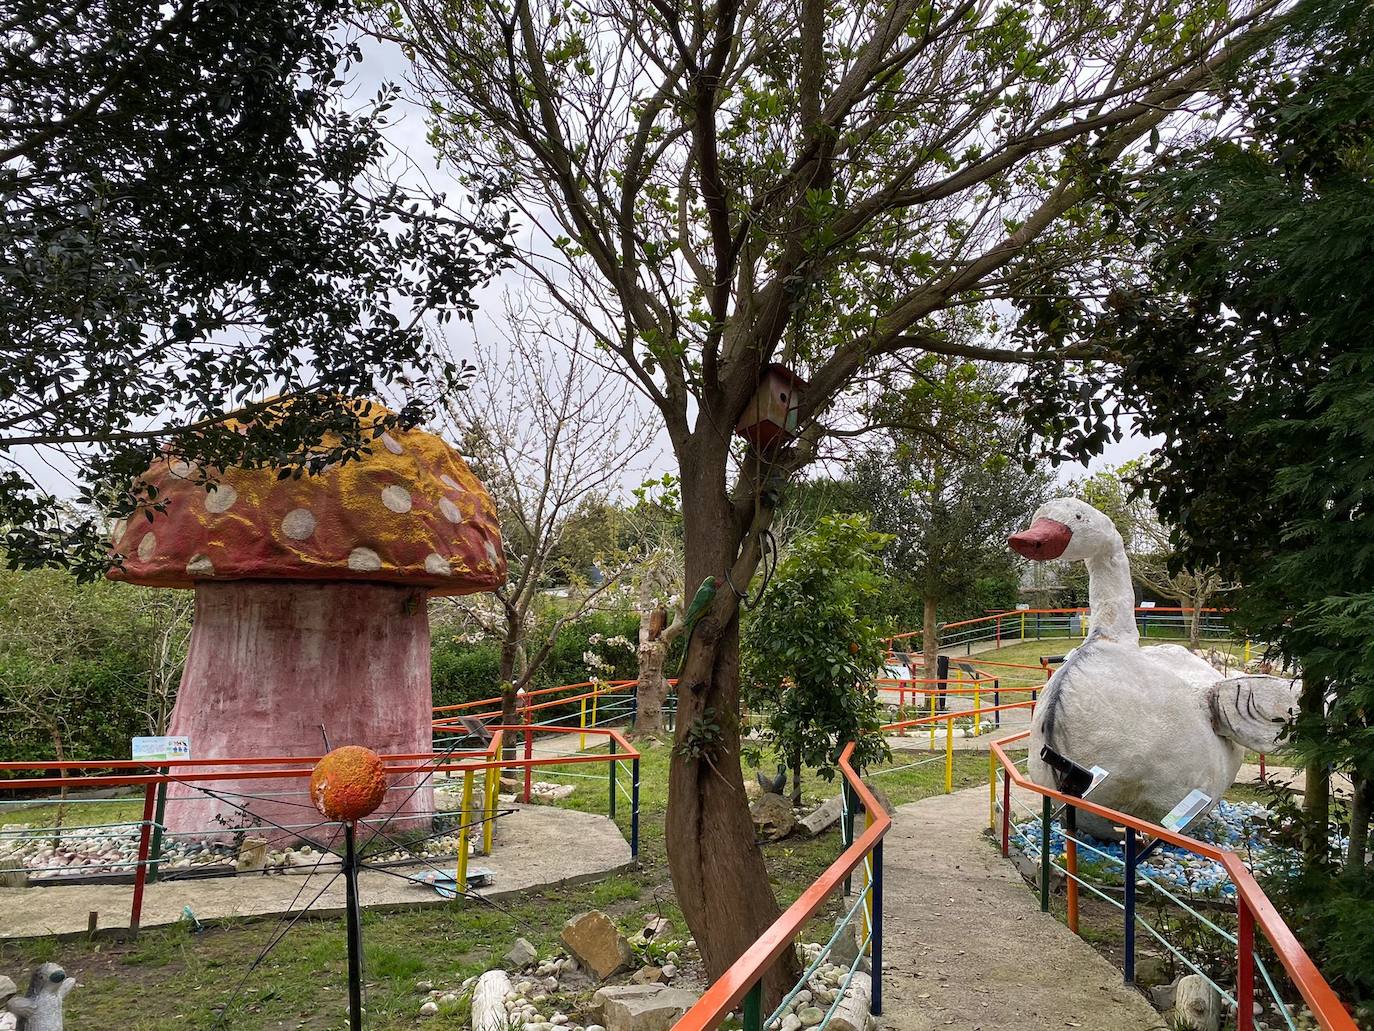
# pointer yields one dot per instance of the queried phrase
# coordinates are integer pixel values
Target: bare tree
(549, 432)
(725, 184)
(1153, 563)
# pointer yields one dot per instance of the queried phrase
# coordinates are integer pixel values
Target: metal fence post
(144, 840)
(1006, 813)
(753, 1008)
(847, 826)
(877, 1004)
(1071, 865)
(1128, 905)
(1245, 967)
(634, 808)
(949, 756)
(159, 814)
(1045, 814)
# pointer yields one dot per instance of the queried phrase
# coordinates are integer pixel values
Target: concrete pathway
(966, 945)
(523, 858)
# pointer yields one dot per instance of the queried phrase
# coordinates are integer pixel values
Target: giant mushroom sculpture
(310, 606)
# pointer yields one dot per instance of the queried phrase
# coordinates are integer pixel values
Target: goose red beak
(1046, 539)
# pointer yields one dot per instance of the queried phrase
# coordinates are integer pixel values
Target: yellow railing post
(464, 828)
(596, 693)
(1023, 626)
(582, 738)
(1247, 651)
(489, 809)
(949, 755)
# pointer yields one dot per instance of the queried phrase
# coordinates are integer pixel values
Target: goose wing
(1253, 711)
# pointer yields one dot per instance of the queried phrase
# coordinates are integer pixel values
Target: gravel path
(966, 945)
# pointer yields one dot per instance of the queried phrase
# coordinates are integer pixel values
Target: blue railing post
(877, 899)
(753, 1008)
(997, 699)
(613, 784)
(634, 809)
(1128, 904)
(1045, 814)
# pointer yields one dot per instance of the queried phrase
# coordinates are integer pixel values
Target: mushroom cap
(411, 512)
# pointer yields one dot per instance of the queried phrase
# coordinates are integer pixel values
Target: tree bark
(1360, 812)
(718, 870)
(652, 688)
(930, 641)
(1316, 799)
(510, 645)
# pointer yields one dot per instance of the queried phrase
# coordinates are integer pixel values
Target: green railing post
(155, 849)
(1045, 813)
(753, 1008)
(847, 826)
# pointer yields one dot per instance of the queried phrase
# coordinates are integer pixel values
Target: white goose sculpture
(1159, 719)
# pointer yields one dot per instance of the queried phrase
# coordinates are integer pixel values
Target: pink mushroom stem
(269, 664)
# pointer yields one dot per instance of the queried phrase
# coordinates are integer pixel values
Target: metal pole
(1128, 904)
(949, 756)
(847, 827)
(1071, 864)
(355, 932)
(155, 849)
(141, 872)
(992, 790)
(997, 700)
(877, 901)
(1006, 813)
(613, 765)
(1245, 967)
(1045, 814)
(529, 769)
(753, 1008)
(634, 809)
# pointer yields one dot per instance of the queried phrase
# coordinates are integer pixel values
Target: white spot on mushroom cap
(220, 499)
(437, 564)
(147, 546)
(396, 498)
(364, 560)
(182, 469)
(298, 524)
(491, 553)
(449, 482)
(391, 444)
(450, 511)
(200, 565)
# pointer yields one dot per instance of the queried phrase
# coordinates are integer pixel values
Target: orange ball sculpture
(348, 783)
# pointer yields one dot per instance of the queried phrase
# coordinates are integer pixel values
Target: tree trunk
(718, 870)
(930, 641)
(510, 645)
(652, 687)
(1360, 811)
(1195, 624)
(1316, 799)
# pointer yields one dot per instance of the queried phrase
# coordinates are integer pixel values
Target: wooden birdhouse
(771, 417)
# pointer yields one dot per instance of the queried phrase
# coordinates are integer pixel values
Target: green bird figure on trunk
(701, 601)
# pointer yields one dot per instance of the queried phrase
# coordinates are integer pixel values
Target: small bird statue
(41, 1009)
(701, 601)
(773, 785)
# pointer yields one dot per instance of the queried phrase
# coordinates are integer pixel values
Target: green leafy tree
(1246, 346)
(812, 649)
(944, 489)
(831, 186)
(197, 215)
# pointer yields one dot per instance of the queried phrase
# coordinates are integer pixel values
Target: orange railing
(156, 776)
(745, 975)
(1252, 905)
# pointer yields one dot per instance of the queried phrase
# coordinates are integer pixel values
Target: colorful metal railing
(1253, 907)
(743, 981)
(484, 764)
(1017, 625)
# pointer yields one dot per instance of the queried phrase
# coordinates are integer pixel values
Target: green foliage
(199, 213)
(810, 652)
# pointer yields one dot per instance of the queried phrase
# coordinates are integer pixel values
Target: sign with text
(153, 748)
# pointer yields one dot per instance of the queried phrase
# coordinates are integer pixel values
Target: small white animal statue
(41, 1009)
(1159, 719)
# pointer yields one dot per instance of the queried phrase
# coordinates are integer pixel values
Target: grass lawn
(170, 978)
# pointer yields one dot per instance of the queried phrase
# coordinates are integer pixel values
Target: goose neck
(1112, 597)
